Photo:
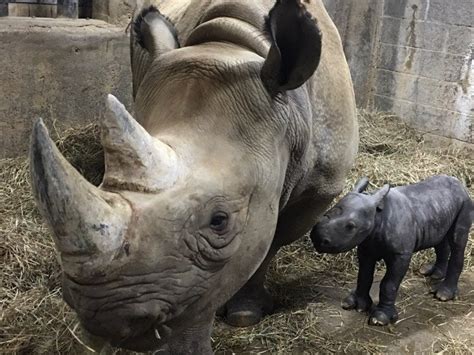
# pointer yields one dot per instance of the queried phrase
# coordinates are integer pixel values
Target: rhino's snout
(320, 237)
(137, 332)
(123, 317)
(326, 239)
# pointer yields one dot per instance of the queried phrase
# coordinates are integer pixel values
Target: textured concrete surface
(414, 58)
(60, 70)
(116, 11)
(424, 65)
(411, 57)
(357, 22)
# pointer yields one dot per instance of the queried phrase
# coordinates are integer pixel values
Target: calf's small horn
(85, 221)
(133, 159)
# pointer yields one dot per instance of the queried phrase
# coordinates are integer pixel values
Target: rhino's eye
(350, 226)
(219, 222)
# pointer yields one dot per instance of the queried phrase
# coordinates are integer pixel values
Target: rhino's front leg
(385, 312)
(252, 301)
(360, 298)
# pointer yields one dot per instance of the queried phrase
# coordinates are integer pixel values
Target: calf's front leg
(385, 312)
(360, 298)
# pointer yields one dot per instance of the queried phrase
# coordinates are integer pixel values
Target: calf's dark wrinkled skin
(392, 224)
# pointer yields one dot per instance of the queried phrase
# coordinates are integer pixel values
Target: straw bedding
(307, 286)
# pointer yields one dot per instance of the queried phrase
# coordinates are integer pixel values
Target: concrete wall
(425, 66)
(60, 70)
(118, 12)
(357, 22)
(412, 57)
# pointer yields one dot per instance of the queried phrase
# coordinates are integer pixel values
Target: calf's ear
(296, 46)
(379, 197)
(361, 185)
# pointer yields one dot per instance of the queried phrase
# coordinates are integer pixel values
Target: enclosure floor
(307, 287)
(425, 325)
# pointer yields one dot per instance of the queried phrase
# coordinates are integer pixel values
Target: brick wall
(421, 60)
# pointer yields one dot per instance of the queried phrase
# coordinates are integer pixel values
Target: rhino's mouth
(333, 249)
(130, 321)
(156, 337)
(330, 248)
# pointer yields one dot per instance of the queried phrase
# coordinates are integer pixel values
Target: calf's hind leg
(437, 271)
(457, 239)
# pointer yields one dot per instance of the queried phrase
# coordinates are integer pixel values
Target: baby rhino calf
(392, 224)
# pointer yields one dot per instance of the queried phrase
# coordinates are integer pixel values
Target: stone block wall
(60, 70)
(425, 66)
(420, 55)
(412, 57)
(357, 22)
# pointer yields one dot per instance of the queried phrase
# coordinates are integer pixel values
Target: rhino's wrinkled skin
(392, 224)
(245, 130)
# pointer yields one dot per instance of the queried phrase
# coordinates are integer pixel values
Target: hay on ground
(34, 319)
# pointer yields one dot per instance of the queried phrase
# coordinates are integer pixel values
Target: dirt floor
(307, 287)
(309, 317)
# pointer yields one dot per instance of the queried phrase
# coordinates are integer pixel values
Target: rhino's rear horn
(134, 160)
(85, 221)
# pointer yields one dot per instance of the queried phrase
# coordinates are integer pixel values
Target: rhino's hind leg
(457, 241)
(437, 271)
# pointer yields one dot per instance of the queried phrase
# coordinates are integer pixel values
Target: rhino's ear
(361, 185)
(152, 34)
(379, 197)
(296, 46)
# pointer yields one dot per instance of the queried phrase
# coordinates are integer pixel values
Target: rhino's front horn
(134, 160)
(85, 221)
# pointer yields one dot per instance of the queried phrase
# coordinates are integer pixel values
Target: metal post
(68, 8)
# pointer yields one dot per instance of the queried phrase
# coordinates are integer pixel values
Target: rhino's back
(334, 136)
(437, 199)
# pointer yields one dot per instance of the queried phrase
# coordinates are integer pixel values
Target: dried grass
(306, 285)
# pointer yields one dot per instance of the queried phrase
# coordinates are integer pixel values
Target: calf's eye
(219, 222)
(350, 226)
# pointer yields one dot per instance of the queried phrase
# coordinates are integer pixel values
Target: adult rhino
(238, 147)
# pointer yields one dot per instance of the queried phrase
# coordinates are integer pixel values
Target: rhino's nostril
(325, 242)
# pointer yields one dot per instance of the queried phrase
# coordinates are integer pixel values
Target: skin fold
(244, 129)
(392, 224)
